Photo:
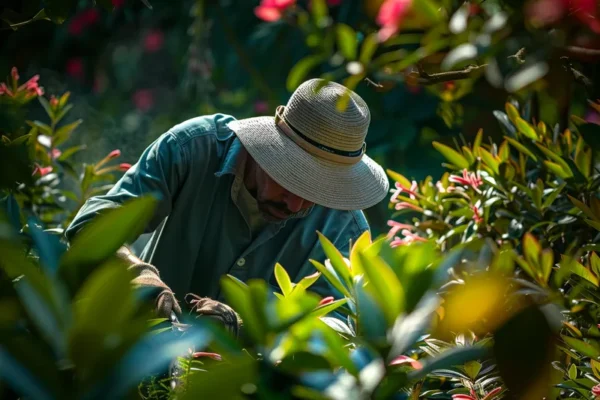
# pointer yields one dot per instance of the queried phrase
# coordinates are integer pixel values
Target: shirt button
(241, 262)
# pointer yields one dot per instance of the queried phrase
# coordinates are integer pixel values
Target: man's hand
(147, 276)
(204, 306)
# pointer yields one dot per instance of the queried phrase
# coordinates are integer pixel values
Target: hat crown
(312, 110)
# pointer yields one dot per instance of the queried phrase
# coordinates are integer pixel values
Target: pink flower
(325, 301)
(412, 191)
(83, 20)
(272, 10)
(5, 90)
(409, 237)
(468, 179)
(400, 360)
(491, 394)
(404, 205)
(261, 107)
(143, 99)
(596, 390)
(42, 171)
(390, 17)
(74, 68)
(55, 153)
(546, 12)
(32, 86)
(14, 73)
(477, 214)
(463, 397)
(214, 356)
(114, 154)
(154, 41)
(124, 167)
(592, 117)
(396, 227)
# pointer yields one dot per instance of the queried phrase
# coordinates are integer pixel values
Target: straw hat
(315, 151)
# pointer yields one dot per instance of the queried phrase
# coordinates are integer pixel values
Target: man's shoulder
(352, 221)
(205, 126)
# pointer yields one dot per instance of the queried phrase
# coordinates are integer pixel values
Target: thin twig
(583, 51)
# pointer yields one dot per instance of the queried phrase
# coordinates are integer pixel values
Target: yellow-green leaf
(546, 263)
(283, 279)
(361, 244)
(337, 260)
(556, 158)
(504, 151)
(490, 160)
(595, 368)
(368, 48)
(579, 270)
(582, 347)
(521, 148)
(512, 112)
(384, 285)
(452, 155)
(526, 129)
(478, 139)
(301, 69)
(347, 41)
(531, 249)
(398, 178)
(331, 278)
(557, 170)
(583, 207)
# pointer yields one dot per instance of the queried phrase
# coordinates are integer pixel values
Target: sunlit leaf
(451, 155)
(526, 129)
(283, 279)
(384, 285)
(582, 347)
(299, 71)
(347, 41)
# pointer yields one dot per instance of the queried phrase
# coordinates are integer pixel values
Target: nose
(295, 203)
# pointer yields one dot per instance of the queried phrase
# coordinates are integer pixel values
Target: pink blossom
(114, 154)
(261, 107)
(596, 390)
(492, 393)
(272, 10)
(154, 41)
(32, 86)
(5, 90)
(404, 205)
(463, 397)
(83, 20)
(124, 167)
(477, 214)
(143, 99)
(400, 360)
(468, 179)
(408, 238)
(42, 171)
(214, 356)
(55, 153)
(412, 191)
(74, 68)
(396, 227)
(592, 117)
(326, 300)
(14, 73)
(390, 17)
(546, 12)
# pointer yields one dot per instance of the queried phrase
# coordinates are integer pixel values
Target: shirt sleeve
(158, 172)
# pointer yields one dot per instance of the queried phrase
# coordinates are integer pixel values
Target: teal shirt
(198, 233)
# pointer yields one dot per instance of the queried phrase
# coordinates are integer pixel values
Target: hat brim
(323, 182)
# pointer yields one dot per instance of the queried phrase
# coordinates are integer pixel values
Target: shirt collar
(232, 164)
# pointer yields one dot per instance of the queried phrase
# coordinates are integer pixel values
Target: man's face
(275, 202)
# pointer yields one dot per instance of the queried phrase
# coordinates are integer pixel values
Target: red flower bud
(124, 167)
(114, 154)
(53, 101)
(214, 356)
(326, 300)
(15, 73)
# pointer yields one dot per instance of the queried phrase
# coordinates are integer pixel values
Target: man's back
(200, 231)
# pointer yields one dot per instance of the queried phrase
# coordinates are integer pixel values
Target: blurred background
(137, 71)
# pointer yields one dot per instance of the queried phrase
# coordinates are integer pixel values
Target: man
(237, 196)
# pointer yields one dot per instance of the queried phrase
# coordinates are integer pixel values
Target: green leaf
(307, 281)
(582, 347)
(579, 270)
(472, 369)
(591, 134)
(452, 155)
(583, 207)
(362, 243)
(521, 148)
(531, 249)
(398, 178)
(450, 358)
(63, 133)
(407, 329)
(102, 237)
(553, 195)
(512, 112)
(556, 158)
(46, 106)
(573, 371)
(283, 279)
(526, 129)
(557, 170)
(239, 299)
(490, 160)
(68, 153)
(547, 261)
(21, 379)
(299, 71)
(319, 10)
(384, 286)
(331, 278)
(64, 110)
(347, 41)
(336, 259)
(428, 9)
(368, 48)
(336, 350)
(328, 308)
